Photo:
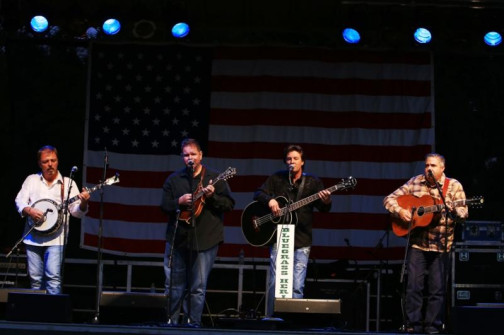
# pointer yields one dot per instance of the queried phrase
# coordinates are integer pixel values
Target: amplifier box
(478, 265)
(482, 232)
(132, 307)
(472, 295)
(317, 306)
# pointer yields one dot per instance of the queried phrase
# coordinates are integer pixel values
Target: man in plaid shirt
(429, 245)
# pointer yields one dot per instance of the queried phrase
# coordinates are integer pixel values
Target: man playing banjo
(41, 200)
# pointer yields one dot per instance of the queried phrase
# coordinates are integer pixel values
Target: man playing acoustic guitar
(430, 243)
(293, 184)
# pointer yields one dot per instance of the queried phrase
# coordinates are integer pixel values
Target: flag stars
(97, 140)
(146, 111)
(156, 122)
(110, 66)
(128, 88)
(155, 144)
(185, 111)
(127, 110)
(197, 80)
(129, 66)
(115, 142)
(148, 89)
(125, 131)
(134, 144)
(138, 77)
(137, 99)
(175, 121)
(117, 98)
(157, 100)
(149, 67)
(136, 121)
(174, 143)
(184, 133)
(187, 90)
(196, 102)
(188, 68)
(116, 120)
(176, 100)
(195, 123)
(97, 117)
(107, 109)
(106, 130)
(108, 87)
(159, 78)
(98, 96)
(169, 67)
(177, 77)
(145, 132)
(165, 132)
(168, 89)
(166, 111)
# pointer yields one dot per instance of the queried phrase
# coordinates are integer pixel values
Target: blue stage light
(492, 38)
(180, 30)
(422, 35)
(39, 23)
(111, 26)
(351, 35)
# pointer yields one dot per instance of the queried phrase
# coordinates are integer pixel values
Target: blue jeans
(301, 256)
(44, 267)
(198, 270)
(420, 264)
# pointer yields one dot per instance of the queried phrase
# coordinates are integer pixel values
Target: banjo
(53, 214)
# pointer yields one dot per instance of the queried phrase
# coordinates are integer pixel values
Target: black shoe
(431, 330)
(413, 330)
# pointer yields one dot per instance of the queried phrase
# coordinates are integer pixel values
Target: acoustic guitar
(426, 207)
(259, 224)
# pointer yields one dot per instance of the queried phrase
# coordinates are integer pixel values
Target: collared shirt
(35, 188)
(432, 237)
(208, 229)
(277, 185)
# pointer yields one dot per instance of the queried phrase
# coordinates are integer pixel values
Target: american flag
(366, 114)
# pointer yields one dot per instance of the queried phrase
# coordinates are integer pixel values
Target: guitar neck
(440, 207)
(200, 193)
(306, 201)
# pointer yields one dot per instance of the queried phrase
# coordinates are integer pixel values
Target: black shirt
(209, 227)
(278, 185)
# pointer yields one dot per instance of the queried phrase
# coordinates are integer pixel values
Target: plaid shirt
(432, 237)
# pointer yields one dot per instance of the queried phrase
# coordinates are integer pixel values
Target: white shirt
(35, 188)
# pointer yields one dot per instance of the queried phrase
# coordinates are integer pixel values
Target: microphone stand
(403, 269)
(65, 222)
(189, 242)
(446, 259)
(170, 265)
(99, 269)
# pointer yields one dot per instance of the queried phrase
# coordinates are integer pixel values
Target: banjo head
(51, 216)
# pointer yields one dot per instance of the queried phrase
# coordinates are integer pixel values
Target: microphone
(291, 167)
(74, 169)
(190, 162)
(430, 174)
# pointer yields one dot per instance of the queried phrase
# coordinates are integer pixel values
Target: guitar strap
(300, 189)
(62, 186)
(445, 186)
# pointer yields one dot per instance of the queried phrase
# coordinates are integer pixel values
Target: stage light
(92, 33)
(422, 35)
(111, 26)
(180, 30)
(350, 35)
(39, 24)
(492, 38)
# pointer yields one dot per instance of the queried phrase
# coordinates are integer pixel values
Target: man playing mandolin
(44, 249)
(195, 230)
(430, 243)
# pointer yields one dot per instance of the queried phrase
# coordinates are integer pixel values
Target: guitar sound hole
(421, 211)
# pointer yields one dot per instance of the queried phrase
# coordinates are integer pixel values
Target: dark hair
(293, 147)
(46, 148)
(189, 141)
